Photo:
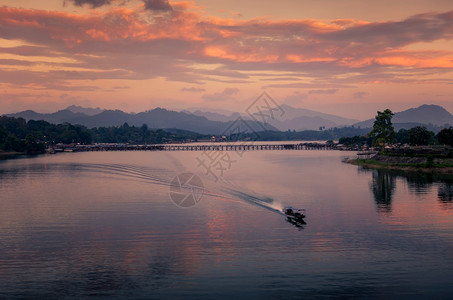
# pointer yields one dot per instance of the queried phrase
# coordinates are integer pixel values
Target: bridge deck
(243, 146)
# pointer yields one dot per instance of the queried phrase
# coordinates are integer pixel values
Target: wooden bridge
(239, 146)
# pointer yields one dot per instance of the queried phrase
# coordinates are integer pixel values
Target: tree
(12, 143)
(354, 141)
(3, 135)
(69, 136)
(383, 131)
(145, 132)
(402, 136)
(32, 146)
(445, 136)
(420, 136)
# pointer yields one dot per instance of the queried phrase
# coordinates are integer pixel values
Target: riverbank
(10, 154)
(425, 164)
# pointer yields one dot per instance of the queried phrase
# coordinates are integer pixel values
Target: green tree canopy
(383, 131)
(420, 136)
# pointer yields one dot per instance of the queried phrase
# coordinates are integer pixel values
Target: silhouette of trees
(20, 136)
(356, 141)
(402, 136)
(445, 136)
(420, 136)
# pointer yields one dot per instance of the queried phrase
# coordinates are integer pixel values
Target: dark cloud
(158, 5)
(92, 3)
(419, 28)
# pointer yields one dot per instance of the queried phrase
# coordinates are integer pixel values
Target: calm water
(102, 225)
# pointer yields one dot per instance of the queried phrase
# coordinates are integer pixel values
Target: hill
(434, 117)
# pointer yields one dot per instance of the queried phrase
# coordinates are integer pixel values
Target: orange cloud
(135, 43)
(229, 54)
(301, 59)
(420, 59)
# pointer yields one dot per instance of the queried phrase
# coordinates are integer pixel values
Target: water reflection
(419, 183)
(445, 194)
(383, 186)
(299, 224)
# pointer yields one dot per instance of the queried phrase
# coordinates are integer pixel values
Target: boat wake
(165, 177)
(265, 202)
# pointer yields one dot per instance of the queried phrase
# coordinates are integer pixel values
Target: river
(117, 225)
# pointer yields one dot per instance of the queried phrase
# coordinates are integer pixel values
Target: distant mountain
(424, 115)
(303, 123)
(156, 118)
(305, 119)
(85, 110)
(293, 118)
(58, 117)
(213, 116)
(293, 112)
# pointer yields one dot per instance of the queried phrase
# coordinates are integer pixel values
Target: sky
(349, 58)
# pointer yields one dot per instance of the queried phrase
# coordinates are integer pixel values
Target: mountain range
(156, 118)
(291, 118)
(205, 122)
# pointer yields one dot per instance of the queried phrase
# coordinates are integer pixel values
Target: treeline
(383, 134)
(417, 136)
(142, 135)
(18, 135)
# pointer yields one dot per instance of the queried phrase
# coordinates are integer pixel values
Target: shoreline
(405, 164)
(6, 154)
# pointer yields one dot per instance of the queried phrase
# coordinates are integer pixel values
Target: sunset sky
(349, 57)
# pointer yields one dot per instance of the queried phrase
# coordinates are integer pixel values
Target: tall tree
(383, 131)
